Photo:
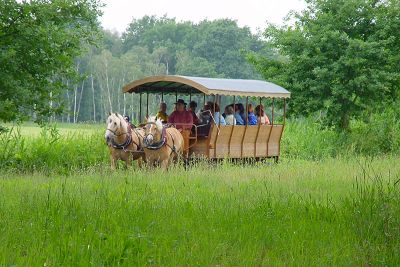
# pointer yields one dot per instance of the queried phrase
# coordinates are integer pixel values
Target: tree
(189, 65)
(216, 43)
(39, 41)
(341, 57)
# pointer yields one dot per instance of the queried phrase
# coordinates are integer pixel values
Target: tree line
(339, 58)
(152, 46)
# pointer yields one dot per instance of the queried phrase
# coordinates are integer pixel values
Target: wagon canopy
(169, 84)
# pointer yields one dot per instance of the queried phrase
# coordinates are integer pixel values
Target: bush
(380, 135)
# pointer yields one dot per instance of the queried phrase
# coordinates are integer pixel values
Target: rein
(162, 142)
(115, 132)
(159, 144)
(127, 142)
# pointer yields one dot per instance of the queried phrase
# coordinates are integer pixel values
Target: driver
(181, 118)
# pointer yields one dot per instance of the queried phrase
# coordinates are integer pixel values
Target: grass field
(335, 212)
(323, 205)
(30, 129)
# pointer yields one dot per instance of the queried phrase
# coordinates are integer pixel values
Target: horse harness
(162, 142)
(127, 142)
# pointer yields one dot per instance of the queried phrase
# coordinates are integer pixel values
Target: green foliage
(341, 57)
(65, 150)
(307, 139)
(374, 215)
(38, 42)
(51, 152)
(212, 47)
(380, 134)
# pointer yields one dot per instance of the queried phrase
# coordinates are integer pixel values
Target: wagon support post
(284, 111)
(233, 126)
(147, 105)
(258, 130)
(272, 115)
(246, 125)
(140, 108)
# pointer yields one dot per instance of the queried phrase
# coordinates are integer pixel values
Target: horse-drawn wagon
(223, 141)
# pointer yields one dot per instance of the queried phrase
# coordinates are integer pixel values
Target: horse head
(116, 126)
(153, 130)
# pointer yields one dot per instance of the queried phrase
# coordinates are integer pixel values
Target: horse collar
(159, 144)
(124, 145)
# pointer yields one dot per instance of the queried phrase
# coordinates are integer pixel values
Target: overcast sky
(253, 13)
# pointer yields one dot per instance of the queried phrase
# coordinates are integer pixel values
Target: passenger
(239, 114)
(229, 115)
(204, 115)
(181, 117)
(128, 120)
(162, 113)
(262, 118)
(251, 117)
(192, 109)
(218, 119)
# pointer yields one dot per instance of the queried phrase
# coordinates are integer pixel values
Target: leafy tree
(190, 65)
(221, 42)
(39, 41)
(216, 43)
(341, 57)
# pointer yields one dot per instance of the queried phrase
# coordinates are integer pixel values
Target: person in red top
(192, 109)
(182, 118)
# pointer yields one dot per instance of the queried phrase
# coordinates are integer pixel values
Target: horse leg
(164, 164)
(139, 162)
(128, 162)
(113, 163)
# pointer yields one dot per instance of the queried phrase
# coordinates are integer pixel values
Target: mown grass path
(296, 213)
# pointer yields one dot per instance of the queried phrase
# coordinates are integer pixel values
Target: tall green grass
(68, 148)
(298, 213)
(52, 152)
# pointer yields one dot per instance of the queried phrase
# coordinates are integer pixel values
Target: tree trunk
(76, 93)
(94, 102)
(345, 121)
(80, 100)
(69, 104)
(108, 88)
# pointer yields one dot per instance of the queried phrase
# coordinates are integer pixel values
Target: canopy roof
(168, 84)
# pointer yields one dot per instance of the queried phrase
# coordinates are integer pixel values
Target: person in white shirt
(229, 116)
(262, 118)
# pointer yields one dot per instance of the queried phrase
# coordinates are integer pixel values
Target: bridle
(115, 132)
(127, 142)
(159, 144)
(163, 140)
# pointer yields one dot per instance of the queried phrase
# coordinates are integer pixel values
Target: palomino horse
(161, 144)
(123, 142)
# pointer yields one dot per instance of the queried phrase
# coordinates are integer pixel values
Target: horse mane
(158, 122)
(121, 119)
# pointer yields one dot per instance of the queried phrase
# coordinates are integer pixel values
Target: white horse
(123, 142)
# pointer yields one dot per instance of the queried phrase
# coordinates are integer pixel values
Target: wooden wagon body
(218, 141)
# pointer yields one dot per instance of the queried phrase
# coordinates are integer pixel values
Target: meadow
(60, 205)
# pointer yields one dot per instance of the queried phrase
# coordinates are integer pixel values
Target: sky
(252, 13)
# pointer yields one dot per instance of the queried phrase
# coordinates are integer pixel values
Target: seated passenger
(192, 109)
(229, 115)
(181, 118)
(162, 113)
(218, 119)
(251, 117)
(239, 114)
(128, 120)
(204, 115)
(262, 118)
